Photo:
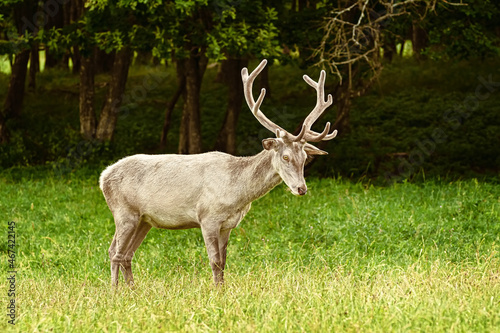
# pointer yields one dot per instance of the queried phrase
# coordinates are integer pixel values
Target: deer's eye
(285, 157)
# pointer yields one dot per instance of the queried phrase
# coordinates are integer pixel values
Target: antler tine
(319, 109)
(320, 136)
(298, 137)
(323, 136)
(255, 106)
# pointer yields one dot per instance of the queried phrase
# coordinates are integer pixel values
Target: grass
(347, 257)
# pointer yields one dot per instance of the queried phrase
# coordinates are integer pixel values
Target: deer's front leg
(223, 240)
(211, 236)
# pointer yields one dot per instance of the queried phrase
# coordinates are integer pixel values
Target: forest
(414, 83)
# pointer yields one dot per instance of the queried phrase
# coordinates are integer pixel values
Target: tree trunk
(104, 62)
(389, 50)
(76, 59)
(34, 66)
(87, 114)
(51, 60)
(73, 11)
(402, 49)
(183, 128)
(343, 103)
(15, 93)
(4, 134)
(192, 105)
(221, 72)
(226, 140)
(112, 103)
(302, 5)
(190, 131)
(419, 40)
(170, 109)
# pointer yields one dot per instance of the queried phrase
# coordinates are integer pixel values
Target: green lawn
(346, 257)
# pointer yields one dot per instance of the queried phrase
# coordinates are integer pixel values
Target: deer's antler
(318, 110)
(255, 106)
(306, 133)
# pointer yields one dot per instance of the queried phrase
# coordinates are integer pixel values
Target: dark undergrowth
(420, 120)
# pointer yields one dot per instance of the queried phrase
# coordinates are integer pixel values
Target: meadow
(347, 257)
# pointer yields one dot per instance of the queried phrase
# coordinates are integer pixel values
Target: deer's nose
(302, 190)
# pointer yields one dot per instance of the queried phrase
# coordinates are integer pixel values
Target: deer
(212, 191)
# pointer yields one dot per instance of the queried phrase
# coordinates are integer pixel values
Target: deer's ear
(313, 150)
(269, 144)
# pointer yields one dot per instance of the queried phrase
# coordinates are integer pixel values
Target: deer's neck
(257, 175)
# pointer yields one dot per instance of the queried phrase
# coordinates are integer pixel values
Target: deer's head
(290, 151)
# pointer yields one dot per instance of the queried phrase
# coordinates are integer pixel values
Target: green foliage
(467, 31)
(106, 25)
(301, 31)
(248, 30)
(346, 257)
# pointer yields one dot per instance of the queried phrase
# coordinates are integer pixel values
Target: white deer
(212, 191)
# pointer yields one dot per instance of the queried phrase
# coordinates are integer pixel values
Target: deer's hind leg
(126, 225)
(139, 234)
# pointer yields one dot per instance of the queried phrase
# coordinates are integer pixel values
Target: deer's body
(186, 191)
(211, 191)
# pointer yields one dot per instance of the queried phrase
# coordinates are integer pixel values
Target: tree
(351, 44)
(193, 68)
(241, 33)
(102, 27)
(230, 32)
(111, 108)
(180, 29)
(470, 30)
(86, 95)
(20, 34)
(226, 139)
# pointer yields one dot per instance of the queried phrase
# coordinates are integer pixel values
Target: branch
(455, 4)
(359, 22)
(352, 34)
